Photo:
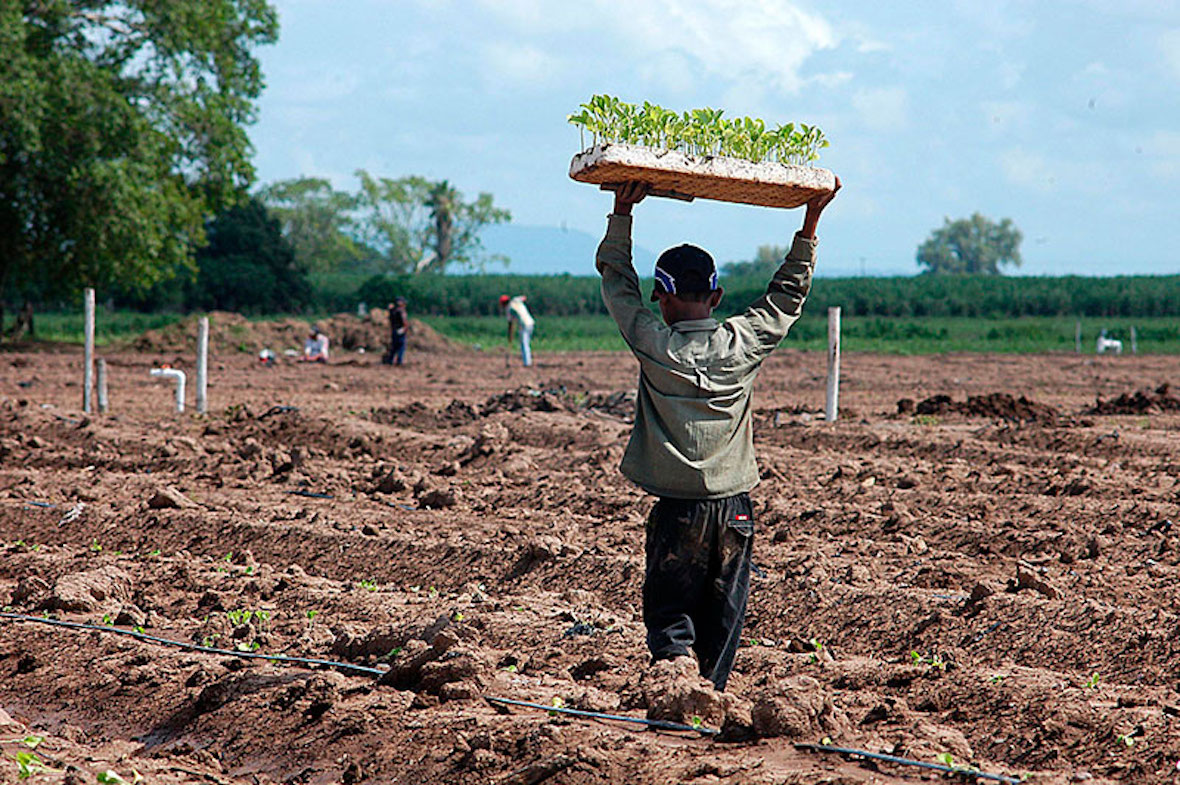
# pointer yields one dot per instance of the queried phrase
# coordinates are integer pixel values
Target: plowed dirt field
(990, 575)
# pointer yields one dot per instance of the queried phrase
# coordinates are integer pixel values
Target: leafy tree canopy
(766, 261)
(121, 129)
(422, 226)
(318, 221)
(974, 245)
(248, 265)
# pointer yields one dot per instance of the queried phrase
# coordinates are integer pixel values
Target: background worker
(315, 348)
(399, 330)
(691, 445)
(520, 319)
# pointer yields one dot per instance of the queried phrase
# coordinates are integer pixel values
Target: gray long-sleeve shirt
(692, 437)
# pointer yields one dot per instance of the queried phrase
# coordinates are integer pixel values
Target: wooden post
(1134, 341)
(831, 405)
(202, 364)
(88, 351)
(102, 386)
(1077, 337)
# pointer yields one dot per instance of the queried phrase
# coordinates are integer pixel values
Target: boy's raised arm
(620, 284)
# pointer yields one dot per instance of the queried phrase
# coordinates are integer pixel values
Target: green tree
(423, 226)
(974, 245)
(767, 259)
(248, 265)
(121, 129)
(318, 222)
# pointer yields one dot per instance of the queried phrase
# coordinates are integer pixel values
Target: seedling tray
(672, 173)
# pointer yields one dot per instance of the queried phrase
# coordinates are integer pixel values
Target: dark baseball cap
(685, 268)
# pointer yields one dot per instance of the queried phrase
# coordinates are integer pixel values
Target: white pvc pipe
(173, 373)
(831, 405)
(88, 350)
(202, 364)
(102, 386)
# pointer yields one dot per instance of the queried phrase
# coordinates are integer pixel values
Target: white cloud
(883, 109)
(1027, 170)
(1169, 42)
(520, 64)
(315, 84)
(768, 40)
(1163, 151)
(1005, 116)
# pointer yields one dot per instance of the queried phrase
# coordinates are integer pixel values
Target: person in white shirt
(315, 348)
(520, 319)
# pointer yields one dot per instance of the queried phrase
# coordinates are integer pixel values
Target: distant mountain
(549, 250)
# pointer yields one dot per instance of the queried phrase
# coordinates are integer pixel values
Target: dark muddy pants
(698, 579)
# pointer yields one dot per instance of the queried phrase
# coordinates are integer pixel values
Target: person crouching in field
(315, 348)
(692, 444)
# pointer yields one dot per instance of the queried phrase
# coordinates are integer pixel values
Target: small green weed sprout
(1092, 682)
(312, 614)
(368, 585)
(817, 647)
(29, 763)
(94, 546)
(696, 721)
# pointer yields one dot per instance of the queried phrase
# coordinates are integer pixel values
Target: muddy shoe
(675, 691)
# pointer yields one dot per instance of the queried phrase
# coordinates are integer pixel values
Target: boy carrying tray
(692, 443)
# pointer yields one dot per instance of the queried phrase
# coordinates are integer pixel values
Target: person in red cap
(691, 445)
(520, 319)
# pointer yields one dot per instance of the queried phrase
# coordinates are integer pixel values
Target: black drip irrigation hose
(970, 775)
(248, 655)
(658, 724)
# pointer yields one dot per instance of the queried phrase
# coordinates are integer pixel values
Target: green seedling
(696, 721)
(457, 616)
(154, 552)
(997, 679)
(698, 132)
(432, 592)
(817, 650)
(249, 569)
(1127, 739)
(511, 668)
(29, 764)
(826, 741)
(1092, 682)
(95, 547)
(209, 640)
(108, 620)
(229, 557)
(312, 614)
(110, 777)
(934, 660)
(557, 703)
(140, 630)
(251, 646)
(926, 419)
(368, 585)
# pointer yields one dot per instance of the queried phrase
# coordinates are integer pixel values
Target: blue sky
(1063, 116)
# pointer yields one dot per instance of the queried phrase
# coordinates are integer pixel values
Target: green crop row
(698, 132)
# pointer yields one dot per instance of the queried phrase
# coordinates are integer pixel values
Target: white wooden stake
(102, 386)
(1134, 341)
(1077, 337)
(833, 398)
(202, 364)
(88, 351)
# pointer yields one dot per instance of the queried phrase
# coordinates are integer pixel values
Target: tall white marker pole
(1077, 337)
(1134, 341)
(88, 352)
(202, 364)
(833, 398)
(102, 386)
